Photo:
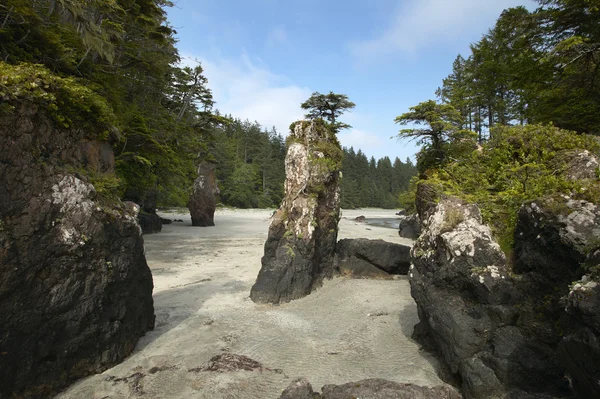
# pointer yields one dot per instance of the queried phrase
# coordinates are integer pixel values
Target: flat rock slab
(348, 330)
(374, 388)
(365, 258)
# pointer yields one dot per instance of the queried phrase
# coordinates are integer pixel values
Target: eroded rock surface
(409, 226)
(202, 202)
(75, 292)
(530, 333)
(373, 388)
(299, 252)
(364, 258)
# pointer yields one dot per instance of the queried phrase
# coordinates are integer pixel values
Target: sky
(263, 58)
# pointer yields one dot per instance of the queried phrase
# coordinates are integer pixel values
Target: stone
(299, 389)
(360, 219)
(557, 236)
(364, 258)
(299, 251)
(75, 292)
(482, 323)
(202, 202)
(580, 164)
(373, 388)
(409, 226)
(149, 221)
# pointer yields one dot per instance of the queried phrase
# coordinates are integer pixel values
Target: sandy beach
(345, 331)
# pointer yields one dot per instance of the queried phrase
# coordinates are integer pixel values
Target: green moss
(452, 218)
(69, 103)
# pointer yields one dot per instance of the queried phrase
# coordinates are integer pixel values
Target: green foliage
(371, 183)
(518, 164)
(328, 107)
(68, 102)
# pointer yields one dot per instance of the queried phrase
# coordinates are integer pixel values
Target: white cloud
(418, 23)
(247, 89)
(277, 36)
(368, 143)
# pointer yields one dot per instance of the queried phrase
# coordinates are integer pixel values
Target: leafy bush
(518, 164)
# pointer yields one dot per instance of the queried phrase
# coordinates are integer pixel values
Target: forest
(162, 117)
(532, 67)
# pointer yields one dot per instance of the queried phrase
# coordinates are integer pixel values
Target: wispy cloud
(368, 142)
(416, 24)
(247, 89)
(277, 36)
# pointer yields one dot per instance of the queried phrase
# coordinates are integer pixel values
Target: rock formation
(371, 388)
(299, 251)
(75, 292)
(149, 221)
(363, 258)
(409, 226)
(529, 331)
(202, 202)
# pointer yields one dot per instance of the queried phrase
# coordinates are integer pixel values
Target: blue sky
(263, 58)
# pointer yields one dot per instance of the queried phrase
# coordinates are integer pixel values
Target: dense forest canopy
(124, 52)
(513, 114)
(539, 66)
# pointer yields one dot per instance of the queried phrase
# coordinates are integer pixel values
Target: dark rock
(474, 315)
(166, 221)
(409, 226)
(299, 252)
(150, 223)
(75, 292)
(202, 202)
(371, 258)
(360, 218)
(299, 389)
(371, 388)
(401, 213)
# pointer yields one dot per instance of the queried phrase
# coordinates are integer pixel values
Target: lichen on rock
(300, 247)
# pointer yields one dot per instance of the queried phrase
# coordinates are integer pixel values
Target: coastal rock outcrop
(409, 226)
(370, 388)
(202, 202)
(558, 251)
(299, 251)
(529, 331)
(147, 218)
(364, 258)
(75, 292)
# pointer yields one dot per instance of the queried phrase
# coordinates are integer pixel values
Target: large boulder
(146, 200)
(202, 202)
(371, 388)
(481, 321)
(299, 252)
(409, 226)
(364, 258)
(558, 249)
(75, 292)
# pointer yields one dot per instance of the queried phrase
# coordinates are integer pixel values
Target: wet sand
(345, 331)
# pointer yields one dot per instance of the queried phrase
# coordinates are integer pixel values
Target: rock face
(75, 292)
(363, 258)
(409, 226)
(558, 250)
(299, 252)
(502, 334)
(202, 202)
(149, 221)
(371, 388)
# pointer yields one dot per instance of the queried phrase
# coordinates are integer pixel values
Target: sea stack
(299, 252)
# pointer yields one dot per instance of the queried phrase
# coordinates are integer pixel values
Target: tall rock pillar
(202, 202)
(300, 247)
